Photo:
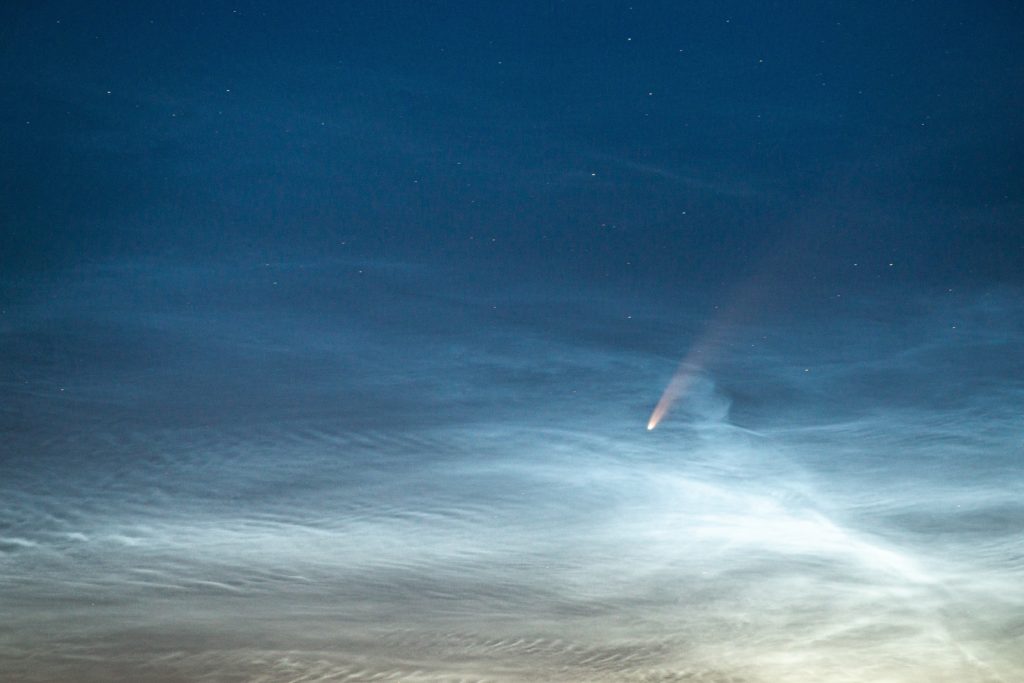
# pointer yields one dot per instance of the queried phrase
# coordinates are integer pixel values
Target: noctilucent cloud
(508, 342)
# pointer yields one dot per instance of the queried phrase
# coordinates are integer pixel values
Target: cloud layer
(202, 480)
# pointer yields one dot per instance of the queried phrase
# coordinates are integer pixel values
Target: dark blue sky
(623, 141)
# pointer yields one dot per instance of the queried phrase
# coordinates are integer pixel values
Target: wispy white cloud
(495, 510)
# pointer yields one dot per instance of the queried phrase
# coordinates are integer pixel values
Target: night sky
(512, 341)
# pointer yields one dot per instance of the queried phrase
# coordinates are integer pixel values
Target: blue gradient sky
(330, 333)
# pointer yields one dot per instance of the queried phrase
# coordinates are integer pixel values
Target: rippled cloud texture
(397, 480)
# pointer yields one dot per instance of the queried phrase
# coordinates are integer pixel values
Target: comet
(752, 297)
(689, 368)
(696, 360)
(676, 388)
